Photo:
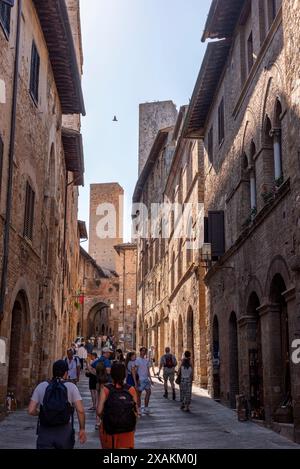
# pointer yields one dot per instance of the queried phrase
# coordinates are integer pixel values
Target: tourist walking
(92, 382)
(117, 409)
(168, 364)
(119, 356)
(142, 366)
(74, 366)
(185, 380)
(131, 375)
(54, 402)
(151, 358)
(82, 354)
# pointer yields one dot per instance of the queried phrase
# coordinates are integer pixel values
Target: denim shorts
(144, 385)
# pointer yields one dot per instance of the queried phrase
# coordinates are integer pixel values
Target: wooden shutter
(210, 148)
(5, 16)
(216, 233)
(29, 212)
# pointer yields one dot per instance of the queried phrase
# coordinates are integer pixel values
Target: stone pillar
(247, 336)
(276, 133)
(271, 353)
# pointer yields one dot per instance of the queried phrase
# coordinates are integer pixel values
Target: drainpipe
(9, 193)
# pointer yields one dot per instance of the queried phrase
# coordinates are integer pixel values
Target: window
(221, 122)
(5, 17)
(34, 73)
(215, 233)
(29, 212)
(210, 145)
(250, 52)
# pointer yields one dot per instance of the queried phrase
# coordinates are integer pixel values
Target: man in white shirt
(143, 365)
(55, 430)
(73, 363)
(82, 354)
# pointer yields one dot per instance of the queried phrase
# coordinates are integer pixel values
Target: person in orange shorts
(117, 408)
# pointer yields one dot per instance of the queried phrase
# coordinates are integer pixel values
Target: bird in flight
(115, 119)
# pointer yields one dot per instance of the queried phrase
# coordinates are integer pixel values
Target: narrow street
(208, 426)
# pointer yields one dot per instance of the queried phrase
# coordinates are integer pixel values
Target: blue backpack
(56, 409)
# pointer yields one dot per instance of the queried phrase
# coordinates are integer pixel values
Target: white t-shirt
(72, 367)
(73, 392)
(142, 365)
(82, 353)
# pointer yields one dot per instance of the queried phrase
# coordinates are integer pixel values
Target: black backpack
(56, 409)
(119, 415)
(169, 360)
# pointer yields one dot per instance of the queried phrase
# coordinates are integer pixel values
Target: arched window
(268, 160)
(253, 190)
(173, 272)
(277, 142)
(180, 259)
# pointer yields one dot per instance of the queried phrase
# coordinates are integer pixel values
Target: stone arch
(233, 359)
(190, 332)
(180, 338)
(172, 338)
(280, 340)
(162, 333)
(254, 285)
(277, 266)
(98, 320)
(19, 348)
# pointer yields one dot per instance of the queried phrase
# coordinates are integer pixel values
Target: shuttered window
(210, 145)
(5, 16)
(250, 52)
(29, 212)
(214, 233)
(221, 122)
(34, 73)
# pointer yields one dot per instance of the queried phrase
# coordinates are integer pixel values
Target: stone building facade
(245, 108)
(170, 287)
(41, 167)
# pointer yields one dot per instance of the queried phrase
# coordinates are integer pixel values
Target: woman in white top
(186, 382)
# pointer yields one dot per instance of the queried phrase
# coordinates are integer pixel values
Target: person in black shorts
(93, 383)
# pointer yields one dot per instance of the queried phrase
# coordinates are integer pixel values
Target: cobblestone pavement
(208, 426)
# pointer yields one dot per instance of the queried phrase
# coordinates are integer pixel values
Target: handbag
(178, 379)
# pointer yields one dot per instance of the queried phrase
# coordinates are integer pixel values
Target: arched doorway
(281, 338)
(172, 338)
(180, 338)
(256, 388)
(190, 332)
(156, 339)
(19, 349)
(98, 320)
(216, 360)
(233, 360)
(162, 334)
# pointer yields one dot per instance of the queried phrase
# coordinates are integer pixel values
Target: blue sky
(134, 51)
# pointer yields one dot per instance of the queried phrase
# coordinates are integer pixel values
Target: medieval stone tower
(153, 117)
(106, 223)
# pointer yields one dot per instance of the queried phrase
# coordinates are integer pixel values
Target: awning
(82, 229)
(205, 88)
(73, 149)
(55, 23)
(222, 18)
